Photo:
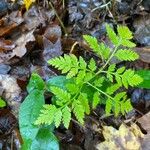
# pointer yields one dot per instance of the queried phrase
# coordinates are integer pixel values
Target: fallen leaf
(6, 45)
(11, 92)
(52, 42)
(145, 124)
(127, 138)
(21, 43)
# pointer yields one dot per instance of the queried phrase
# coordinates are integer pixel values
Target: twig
(61, 23)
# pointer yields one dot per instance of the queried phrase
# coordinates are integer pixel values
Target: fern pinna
(89, 85)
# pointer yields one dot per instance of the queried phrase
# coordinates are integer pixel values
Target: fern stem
(100, 90)
(107, 62)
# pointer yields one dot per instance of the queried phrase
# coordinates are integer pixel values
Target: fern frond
(130, 78)
(85, 103)
(92, 42)
(58, 118)
(72, 88)
(108, 107)
(126, 55)
(78, 111)
(96, 100)
(68, 63)
(66, 116)
(61, 95)
(113, 88)
(124, 32)
(112, 35)
(100, 49)
(92, 65)
(128, 43)
(98, 82)
(47, 115)
(104, 50)
(80, 77)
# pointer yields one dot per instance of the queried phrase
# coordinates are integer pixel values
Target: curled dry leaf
(127, 138)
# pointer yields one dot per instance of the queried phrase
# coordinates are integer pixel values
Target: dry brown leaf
(145, 124)
(126, 138)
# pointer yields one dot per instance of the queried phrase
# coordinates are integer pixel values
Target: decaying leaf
(21, 43)
(126, 138)
(145, 124)
(52, 42)
(10, 91)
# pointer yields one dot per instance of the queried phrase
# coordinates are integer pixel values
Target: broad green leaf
(28, 113)
(2, 103)
(45, 140)
(36, 82)
(145, 74)
(59, 81)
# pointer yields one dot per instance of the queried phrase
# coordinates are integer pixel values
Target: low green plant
(86, 81)
(85, 85)
(2, 103)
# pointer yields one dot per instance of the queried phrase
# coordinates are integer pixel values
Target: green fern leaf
(126, 55)
(72, 88)
(57, 118)
(99, 81)
(68, 63)
(92, 65)
(66, 116)
(47, 115)
(117, 109)
(105, 51)
(108, 107)
(128, 43)
(100, 49)
(120, 70)
(112, 35)
(92, 41)
(62, 95)
(80, 76)
(127, 105)
(124, 32)
(113, 88)
(130, 78)
(112, 68)
(82, 63)
(96, 100)
(78, 110)
(85, 103)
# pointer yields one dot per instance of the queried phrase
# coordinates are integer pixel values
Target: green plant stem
(100, 90)
(109, 59)
(61, 23)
